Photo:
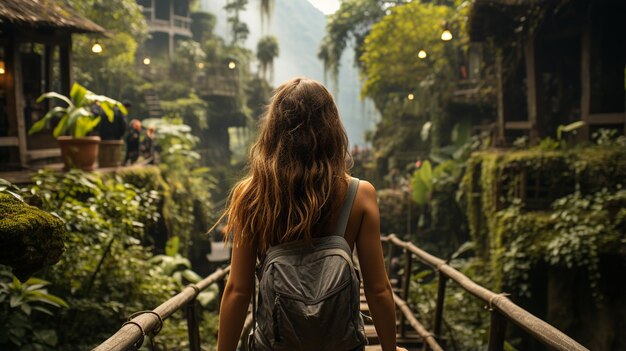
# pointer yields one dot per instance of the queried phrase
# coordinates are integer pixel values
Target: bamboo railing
(500, 307)
(132, 333)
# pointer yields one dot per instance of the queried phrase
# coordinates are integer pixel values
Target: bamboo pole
(134, 331)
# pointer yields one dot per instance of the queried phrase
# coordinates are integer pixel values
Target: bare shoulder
(366, 190)
(366, 198)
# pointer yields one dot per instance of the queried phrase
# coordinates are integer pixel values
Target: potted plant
(111, 135)
(77, 121)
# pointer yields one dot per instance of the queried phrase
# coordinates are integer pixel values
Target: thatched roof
(45, 13)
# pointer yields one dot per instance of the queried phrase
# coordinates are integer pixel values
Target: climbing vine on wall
(582, 221)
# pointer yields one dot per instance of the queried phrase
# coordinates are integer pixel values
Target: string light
(446, 35)
(146, 61)
(232, 65)
(422, 54)
(410, 96)
(96, 48)
(2, 71)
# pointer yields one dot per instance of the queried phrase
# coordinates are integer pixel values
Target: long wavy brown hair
(297, 169)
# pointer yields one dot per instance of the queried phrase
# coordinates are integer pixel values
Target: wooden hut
(555, 62)
(35, 57)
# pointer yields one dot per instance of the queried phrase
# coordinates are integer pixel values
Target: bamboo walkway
(410, 340)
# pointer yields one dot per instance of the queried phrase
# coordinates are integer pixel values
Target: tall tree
(266, 51)
(349, 25)
(239, 30)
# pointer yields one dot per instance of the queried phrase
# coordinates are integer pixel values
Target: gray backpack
(309, 294)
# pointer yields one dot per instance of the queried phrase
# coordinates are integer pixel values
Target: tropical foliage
(77, 119)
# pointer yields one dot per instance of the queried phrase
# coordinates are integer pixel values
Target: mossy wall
(564, 211)
(30, 238)
(495, 180)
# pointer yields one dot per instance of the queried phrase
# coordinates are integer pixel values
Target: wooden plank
(531, 86)
(518, 125)
(606, 118)
(43, 153)
(9, 141)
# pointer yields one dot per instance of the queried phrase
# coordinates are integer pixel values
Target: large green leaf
(49, 299)
(171, 247)
(108, 110)
(74, 116)
(191, 276)
(38, 126)
(85, 125)
(41, 124)
(53, 95)
(78, 93)
(420, 191)
(61, 126)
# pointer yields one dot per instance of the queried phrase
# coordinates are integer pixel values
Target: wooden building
(554, 63)
(169, 21)
(35, 57)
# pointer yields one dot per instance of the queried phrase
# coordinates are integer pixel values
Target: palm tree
(266, 51)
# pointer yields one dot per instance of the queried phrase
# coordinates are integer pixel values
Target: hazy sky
(326, 6)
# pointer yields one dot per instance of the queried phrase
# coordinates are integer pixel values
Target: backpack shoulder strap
(344, 213)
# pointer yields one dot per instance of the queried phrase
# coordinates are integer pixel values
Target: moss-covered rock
(29, 237)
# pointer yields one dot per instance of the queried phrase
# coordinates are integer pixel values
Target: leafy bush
(19, 303)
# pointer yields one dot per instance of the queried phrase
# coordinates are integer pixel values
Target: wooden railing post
(406, 283)
(441, 294)
(497, 331)
(193, 328)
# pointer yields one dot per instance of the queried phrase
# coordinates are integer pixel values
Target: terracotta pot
(110, 153)
(79, 152)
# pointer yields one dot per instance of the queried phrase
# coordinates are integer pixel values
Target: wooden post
(19, 100)
(65, 58)
(406, 283)
(497, 331)
(441, 294)
(500, 138)
(193, 329)
(585, 77)
(531, 87)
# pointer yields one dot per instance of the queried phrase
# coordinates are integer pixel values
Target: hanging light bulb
(146, 61)
(422, 54)
(446, 35)
(201, 65)
(232, 65)
(410, 96)
(96, 48)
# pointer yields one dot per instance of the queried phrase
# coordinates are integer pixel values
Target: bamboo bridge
(410, 332)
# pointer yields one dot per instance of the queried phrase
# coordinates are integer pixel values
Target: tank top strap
(346, 208)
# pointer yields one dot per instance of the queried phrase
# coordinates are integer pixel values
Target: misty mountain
(299, 28)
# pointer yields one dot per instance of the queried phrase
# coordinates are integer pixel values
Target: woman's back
(294, 189)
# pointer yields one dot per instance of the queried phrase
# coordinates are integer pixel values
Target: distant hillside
(299, 28)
